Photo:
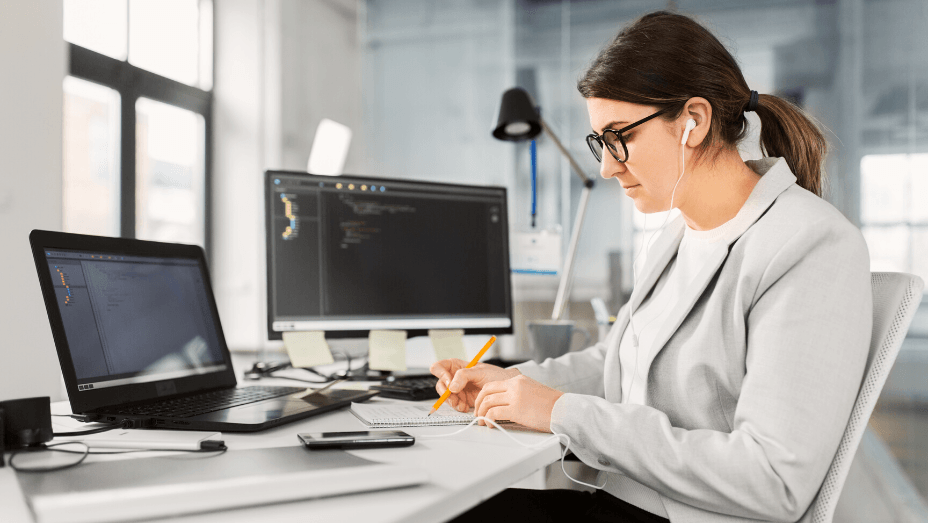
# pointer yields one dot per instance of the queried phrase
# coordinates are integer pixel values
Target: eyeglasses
(613, 140)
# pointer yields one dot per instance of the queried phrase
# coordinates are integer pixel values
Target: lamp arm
(570, 159)
(563, 287)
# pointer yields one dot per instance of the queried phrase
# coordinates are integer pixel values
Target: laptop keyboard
(190, 406)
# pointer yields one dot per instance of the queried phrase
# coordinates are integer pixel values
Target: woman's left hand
(519, 399)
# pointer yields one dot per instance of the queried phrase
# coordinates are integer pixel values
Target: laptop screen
(134, 319)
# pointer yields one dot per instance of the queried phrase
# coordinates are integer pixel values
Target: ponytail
(785, 131)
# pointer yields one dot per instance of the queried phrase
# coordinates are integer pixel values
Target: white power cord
(631, 314)
(526, 445)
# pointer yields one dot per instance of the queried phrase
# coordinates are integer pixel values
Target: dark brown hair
(663, 59)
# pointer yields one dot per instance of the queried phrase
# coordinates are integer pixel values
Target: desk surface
(464, 470)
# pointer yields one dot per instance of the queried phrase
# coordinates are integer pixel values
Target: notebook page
(399, 415)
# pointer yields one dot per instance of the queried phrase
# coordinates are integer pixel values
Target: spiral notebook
(400, 415)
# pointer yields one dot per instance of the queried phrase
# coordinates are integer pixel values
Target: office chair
(896, 297)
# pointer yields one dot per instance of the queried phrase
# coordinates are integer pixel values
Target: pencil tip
(430, 412)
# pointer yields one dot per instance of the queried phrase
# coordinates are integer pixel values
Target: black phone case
(316, 444)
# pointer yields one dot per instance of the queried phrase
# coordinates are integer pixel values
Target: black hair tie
(752, 103)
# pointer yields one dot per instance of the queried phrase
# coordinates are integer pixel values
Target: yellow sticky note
(307, 349)
(387, 350)
(448, 343)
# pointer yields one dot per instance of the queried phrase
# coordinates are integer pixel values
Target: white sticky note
(448, 344)
(387, 350)
(307, 349)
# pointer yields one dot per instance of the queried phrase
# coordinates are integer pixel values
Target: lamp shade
(518, 118)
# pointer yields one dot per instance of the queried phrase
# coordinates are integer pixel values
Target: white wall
(280, 67)
(33, 64)
(239, 148)
(320, 77)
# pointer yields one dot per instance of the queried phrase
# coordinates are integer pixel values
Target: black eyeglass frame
(618, 134)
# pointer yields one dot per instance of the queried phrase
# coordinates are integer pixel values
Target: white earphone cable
(526, 445)
(631, 314)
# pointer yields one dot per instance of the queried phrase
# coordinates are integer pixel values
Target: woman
(723, 389)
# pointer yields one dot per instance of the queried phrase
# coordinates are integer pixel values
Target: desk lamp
(520, 120)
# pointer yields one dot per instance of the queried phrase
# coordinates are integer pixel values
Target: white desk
(464, 470)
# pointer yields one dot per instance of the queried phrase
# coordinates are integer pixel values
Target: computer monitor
(351, 254)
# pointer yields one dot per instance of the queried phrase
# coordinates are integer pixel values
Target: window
(169, 177)
(893, 221)
(91, 158)
(137, 118)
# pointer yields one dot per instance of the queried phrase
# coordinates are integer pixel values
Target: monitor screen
(350, 254)
(133, 319)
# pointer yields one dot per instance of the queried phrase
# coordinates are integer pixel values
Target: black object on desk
(499, 362)
(363, 439)
(2, 447)
(412, 388)
(421, 386)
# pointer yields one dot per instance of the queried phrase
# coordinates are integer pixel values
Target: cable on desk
(526, 445)
(218, 448)
(125, 424)
(49, 446)
(257, 372)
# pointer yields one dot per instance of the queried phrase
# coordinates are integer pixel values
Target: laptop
(139, 340)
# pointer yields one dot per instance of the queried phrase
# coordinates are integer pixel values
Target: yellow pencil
(469, 365)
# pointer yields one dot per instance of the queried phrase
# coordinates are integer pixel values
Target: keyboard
(190, 406)
(411, 388)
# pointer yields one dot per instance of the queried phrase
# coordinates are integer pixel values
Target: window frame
(132, 83)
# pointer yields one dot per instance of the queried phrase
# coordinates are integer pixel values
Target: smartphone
(365, 439)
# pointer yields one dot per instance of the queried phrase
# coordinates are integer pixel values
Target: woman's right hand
(465, 384)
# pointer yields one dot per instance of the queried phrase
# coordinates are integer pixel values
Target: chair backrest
(896, 297)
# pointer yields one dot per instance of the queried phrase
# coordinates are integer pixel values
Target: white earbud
(690, 125)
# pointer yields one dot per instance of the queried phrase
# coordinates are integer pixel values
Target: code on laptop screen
(133, 319)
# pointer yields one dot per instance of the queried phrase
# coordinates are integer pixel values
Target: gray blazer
(759, 364)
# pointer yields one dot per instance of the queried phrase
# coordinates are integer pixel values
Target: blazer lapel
(776, 178)
(686, 301)
(663, 251)
(611, 367)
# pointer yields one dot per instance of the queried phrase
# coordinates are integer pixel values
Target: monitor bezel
(83, 401)
(273, 335)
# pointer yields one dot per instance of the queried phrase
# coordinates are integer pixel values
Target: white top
(694, 249)
(647, 318)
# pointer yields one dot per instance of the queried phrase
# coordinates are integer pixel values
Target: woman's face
(653, 165)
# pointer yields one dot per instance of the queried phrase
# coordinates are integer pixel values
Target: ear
(700, 110)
